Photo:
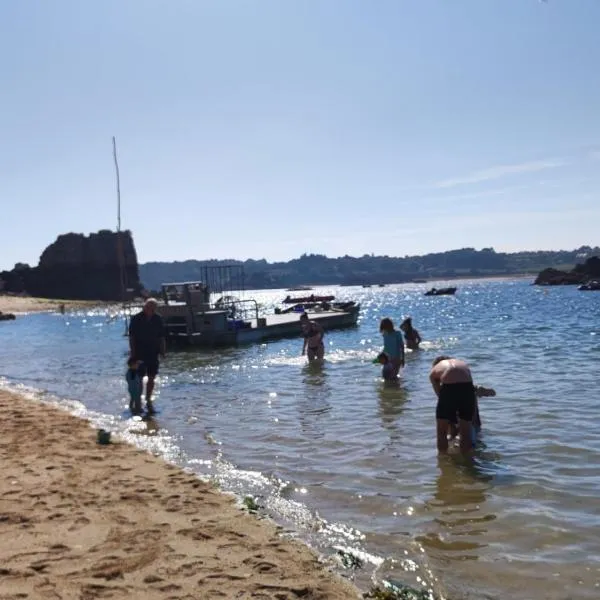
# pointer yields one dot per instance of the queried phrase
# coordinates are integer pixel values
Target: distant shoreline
(28, 304)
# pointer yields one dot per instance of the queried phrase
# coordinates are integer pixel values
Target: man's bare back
(451, 370)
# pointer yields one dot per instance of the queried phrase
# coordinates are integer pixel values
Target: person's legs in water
(315, 353)
(465, 402)
(443, 426)
(151, 371)
(445, 414)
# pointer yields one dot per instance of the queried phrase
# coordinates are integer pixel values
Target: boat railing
(246, 309)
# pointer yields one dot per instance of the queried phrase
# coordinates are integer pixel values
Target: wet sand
(80, 520)
(27, 304)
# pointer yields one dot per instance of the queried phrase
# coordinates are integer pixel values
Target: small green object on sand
(103, 437)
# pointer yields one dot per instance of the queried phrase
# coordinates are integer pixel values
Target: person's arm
(131, 337)
(417, 337)
(304, 346)
(482, 392)
(162, 341)
(434, 378)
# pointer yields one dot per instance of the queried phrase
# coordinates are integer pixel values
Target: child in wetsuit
(134, 385)
(412, 338)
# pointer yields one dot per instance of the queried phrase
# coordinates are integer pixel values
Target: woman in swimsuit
(411, 335)
(313, 333)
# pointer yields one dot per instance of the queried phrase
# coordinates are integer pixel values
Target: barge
(191, 319)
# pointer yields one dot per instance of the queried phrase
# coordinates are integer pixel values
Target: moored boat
(590, 286)
(449, 291)
(192, 319)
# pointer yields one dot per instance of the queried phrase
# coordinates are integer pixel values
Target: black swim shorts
(149, 366)
(456, 398)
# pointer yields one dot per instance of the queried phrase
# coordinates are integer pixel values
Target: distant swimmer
(457, 400)
(313, 334)
(393, 345)
(412, 338)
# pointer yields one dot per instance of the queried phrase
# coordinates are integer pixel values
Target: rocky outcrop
(582, 273)
(79, 267)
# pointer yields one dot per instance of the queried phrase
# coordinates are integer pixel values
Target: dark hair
(439, 359)
(386, 324)
(304, 316)
(407, 321)
(131, 362)
(383, 357)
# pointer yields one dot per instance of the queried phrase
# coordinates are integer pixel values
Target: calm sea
(346, 462)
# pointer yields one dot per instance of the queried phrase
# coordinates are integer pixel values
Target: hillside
(316, 269)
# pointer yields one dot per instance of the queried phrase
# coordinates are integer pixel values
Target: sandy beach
(28, 304)
(84, 521)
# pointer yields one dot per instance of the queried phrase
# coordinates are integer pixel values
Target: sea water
(347, 462)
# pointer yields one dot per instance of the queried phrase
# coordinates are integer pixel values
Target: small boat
(307, 299)
(450, 291)
(590, 286)
(299, 288)
(7, 316)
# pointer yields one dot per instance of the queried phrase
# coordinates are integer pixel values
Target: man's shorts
(149, 366)
(456, 398)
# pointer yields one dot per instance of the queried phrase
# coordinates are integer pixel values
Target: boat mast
(120, 254)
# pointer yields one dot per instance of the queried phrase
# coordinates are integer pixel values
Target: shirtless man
(313, 339)
(453, 384)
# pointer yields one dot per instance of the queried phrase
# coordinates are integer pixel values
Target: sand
(28, 304)
(82, 521)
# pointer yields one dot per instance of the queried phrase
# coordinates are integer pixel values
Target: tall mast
(119, 237)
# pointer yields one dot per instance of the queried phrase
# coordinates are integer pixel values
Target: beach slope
(84, 521)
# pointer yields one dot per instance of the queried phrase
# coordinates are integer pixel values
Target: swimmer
(412, 339)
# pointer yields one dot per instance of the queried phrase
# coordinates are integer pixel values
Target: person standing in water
(146, 343)
(453, 385)
(313, 334)
(412, 339)
(393, 346)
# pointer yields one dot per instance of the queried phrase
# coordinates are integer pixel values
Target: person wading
(453, 384)
(146, 343)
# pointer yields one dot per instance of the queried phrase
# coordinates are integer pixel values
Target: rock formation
(582, 273)
(79, 267)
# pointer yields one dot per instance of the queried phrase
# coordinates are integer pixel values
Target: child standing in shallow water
(134, 386)
(393, 346)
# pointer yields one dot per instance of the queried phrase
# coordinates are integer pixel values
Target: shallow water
(347, 461)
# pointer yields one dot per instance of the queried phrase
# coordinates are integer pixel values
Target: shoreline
(85, 520)
(29, 304)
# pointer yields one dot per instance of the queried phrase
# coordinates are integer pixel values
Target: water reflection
(458, 502)
(314, 405)
(392, 400)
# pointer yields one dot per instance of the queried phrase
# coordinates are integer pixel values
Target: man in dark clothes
(146, 342)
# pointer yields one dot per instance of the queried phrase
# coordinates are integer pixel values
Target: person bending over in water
(453, 384)
(412, 339)
(393, 345)
(313, 334)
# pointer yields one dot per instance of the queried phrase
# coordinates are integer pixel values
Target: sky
(271, 128)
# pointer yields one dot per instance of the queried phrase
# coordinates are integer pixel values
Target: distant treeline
(316, 269)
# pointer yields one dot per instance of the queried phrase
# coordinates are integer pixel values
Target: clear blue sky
(269, 128)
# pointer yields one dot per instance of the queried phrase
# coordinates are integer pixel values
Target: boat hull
(271, 327)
